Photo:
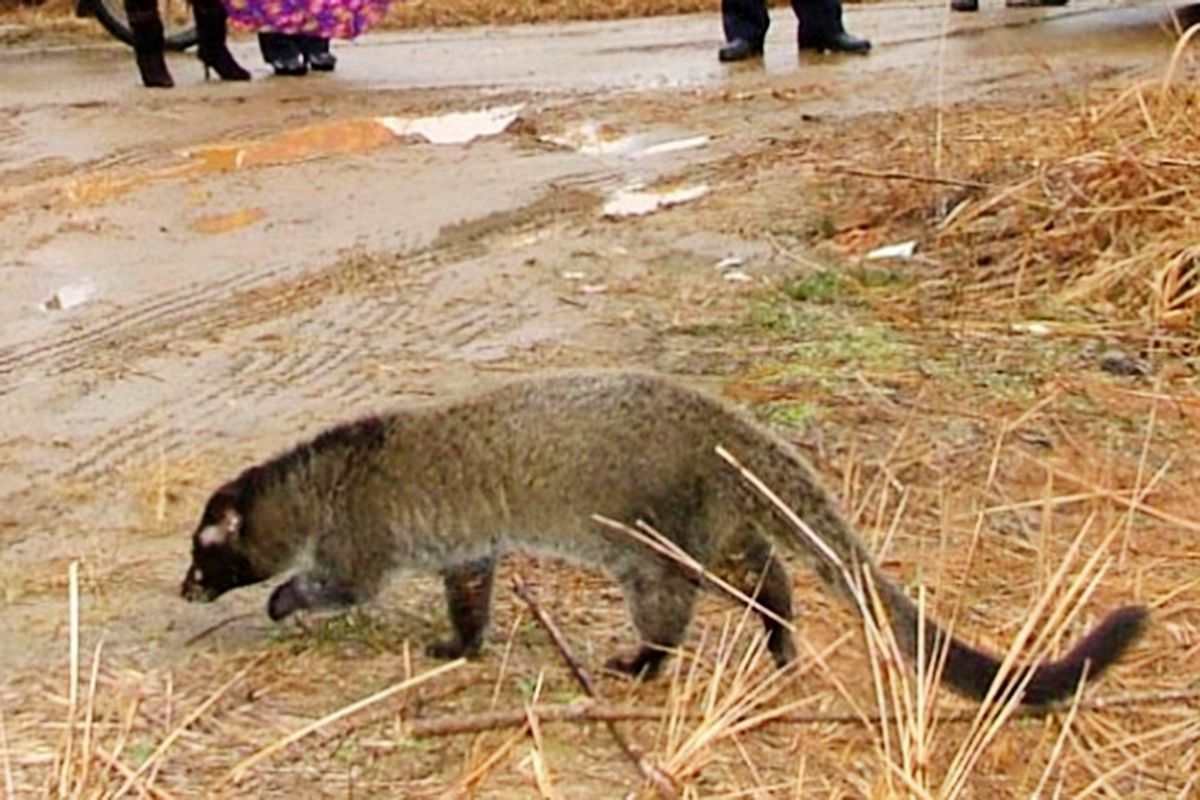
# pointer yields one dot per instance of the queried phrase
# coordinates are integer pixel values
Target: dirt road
(193, 279)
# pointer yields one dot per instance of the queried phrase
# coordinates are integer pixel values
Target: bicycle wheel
(178, 28)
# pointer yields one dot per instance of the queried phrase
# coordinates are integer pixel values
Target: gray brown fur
(449, 485)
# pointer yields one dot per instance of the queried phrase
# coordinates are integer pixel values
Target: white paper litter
(69, 296)
(902, 251)
(635, 201)
(737, 276)
(592, 139)
(673, 146)
(729, 262)
(457, 127)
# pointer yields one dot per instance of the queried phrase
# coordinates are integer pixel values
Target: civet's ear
(224, 531)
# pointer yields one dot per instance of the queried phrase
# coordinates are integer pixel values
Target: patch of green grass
(353, 629)
(833, 283)
(824, 286)
(800, 415)
(137, 753)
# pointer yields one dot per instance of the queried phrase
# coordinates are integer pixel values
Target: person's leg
(147, 27)
(282, 52)
(745, 23)
(316, 52)
(211, 31)
(821, 28)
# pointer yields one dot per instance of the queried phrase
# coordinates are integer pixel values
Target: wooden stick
(211, 629)
(9, 791)
(663, 784)
(460, 724)
(64, 775)
(240, 770)
(897, 175)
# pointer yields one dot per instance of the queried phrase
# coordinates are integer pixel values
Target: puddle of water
(342, 137)
(635, 201)
(356, 136)
(224, 223)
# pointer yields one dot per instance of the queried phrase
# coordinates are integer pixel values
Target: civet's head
(219, 551)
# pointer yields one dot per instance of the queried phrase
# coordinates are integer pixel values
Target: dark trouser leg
(746, 20)
(276, 45)
(147, 27)
(469, 601)
(819, 19)
(211, 31)
(311, 45)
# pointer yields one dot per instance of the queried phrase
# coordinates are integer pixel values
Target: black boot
(147, 29)
(841, 42)
(740, 50)
(210, 31)
(282, 51)
(316, 53)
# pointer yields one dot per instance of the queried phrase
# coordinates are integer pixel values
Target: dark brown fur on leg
(752, 569)
(309, 591)
(660, 598)
(469, 601)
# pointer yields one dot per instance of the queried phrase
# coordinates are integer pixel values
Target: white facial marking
(211, 535)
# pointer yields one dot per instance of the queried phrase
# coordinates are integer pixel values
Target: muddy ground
(195, 279)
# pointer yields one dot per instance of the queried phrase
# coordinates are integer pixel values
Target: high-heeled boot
(147, 29)
(210, 31)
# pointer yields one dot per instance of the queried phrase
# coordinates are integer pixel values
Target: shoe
(221, 61)
(292, 65)
(321, 62)
(1034, 3)
(838, 43)
(740, 50)
(147, 28)
(964, 5)
(210, 19)
(153, 68)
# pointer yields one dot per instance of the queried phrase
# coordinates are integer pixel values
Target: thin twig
(662, 782)
(240, 770)
(211, 629)
(898, 175)
(8, 770)
(459, 724)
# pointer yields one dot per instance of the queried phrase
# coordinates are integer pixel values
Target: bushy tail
(965, 669)
(972, 672)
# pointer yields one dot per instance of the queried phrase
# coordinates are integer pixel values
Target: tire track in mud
(157, 312)
(295, 347)
(328, 359)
